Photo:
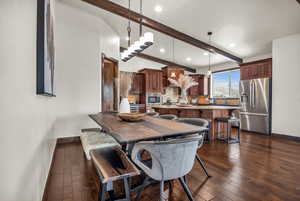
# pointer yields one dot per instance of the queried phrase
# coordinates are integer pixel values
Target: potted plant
(184, 82)
(125, 86)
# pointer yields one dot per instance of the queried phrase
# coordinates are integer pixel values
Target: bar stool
(229, 121)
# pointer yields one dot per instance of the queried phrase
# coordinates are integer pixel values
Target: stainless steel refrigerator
(256, 99)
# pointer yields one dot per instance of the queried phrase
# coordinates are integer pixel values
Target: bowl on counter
(131, 117)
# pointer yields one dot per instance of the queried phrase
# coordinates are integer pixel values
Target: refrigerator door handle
(250, 94)
(254, 94)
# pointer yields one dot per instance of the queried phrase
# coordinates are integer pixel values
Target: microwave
(153, 99)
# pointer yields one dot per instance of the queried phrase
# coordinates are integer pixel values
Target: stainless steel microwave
(153, 99)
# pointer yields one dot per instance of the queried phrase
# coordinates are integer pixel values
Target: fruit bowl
(131, 117)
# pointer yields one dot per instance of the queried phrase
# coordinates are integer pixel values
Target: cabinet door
(194, 91)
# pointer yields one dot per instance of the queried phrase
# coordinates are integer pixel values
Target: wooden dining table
(150, 128)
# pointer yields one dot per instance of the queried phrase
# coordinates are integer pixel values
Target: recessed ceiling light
(232, 45)
(158, 8)
(205, 53)
(162, 50)
(188, 59)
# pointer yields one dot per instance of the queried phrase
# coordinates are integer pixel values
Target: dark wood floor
(259, 169)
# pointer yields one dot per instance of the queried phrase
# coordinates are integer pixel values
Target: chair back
(171, 159)
(168, 116)
(195, 121)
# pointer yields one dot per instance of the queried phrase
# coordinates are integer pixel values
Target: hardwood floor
(259, 169)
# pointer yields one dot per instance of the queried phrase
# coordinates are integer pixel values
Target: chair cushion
(96, 140)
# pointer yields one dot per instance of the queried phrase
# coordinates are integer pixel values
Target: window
(226, 84)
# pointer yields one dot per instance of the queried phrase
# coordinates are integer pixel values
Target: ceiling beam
(148, 22)
(162, 61)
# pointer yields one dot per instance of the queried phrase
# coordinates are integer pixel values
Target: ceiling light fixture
(205, 53)
(209, 72)
(162, 50)
(232, 45)
(158, 9)
(144, 41)
(188, 59)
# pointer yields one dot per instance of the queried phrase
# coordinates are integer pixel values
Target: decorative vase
(183, 98)
(124, 106)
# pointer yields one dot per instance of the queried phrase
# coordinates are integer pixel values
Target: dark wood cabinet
(153, 80)
(138, 84)
(172, 72)
(202, 88)
(256, 70)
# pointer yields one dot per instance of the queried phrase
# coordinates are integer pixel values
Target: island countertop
(210, 112)
(197, 107)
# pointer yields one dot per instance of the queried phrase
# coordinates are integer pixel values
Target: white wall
(26, 120)
(80, 40)
(286, 86)
(30, 123)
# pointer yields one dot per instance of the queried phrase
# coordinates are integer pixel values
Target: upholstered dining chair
(201, 123)
(168, 116)
(170, 160)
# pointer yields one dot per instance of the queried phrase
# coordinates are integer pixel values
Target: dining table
(149, 128)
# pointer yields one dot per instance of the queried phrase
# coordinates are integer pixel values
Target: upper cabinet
(256, 70)
(202, 89)
(153, 80)
(138, 83)
(172, 72)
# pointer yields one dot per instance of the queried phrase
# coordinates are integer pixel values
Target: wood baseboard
(286, 137)
(65, 140)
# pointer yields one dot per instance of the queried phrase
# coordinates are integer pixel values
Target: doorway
(110, 71)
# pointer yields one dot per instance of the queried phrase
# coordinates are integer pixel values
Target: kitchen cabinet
(172, 72)
(256, 70)
(153, 80)
(202, 88)
(138, 84)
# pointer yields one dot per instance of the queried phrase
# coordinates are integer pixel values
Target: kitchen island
(199, 111)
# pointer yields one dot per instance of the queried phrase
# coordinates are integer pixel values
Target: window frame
(212, 85)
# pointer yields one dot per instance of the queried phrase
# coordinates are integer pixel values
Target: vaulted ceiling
(242, 27)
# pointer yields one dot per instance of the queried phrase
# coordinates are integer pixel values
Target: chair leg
(186, 189)
(202, 165)
(127, 192)
(161, 194)
(102, 192)
(144, 184)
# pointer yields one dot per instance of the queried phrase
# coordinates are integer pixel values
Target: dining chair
(202, 123)
(168, 116)
(170, 160)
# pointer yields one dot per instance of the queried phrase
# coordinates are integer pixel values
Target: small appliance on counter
(153, 99)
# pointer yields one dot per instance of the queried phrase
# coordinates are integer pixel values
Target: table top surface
(150, 128)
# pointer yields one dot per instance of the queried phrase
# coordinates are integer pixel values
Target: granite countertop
(199, 107)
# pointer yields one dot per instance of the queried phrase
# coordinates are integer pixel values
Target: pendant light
(209, 72)
(144, 41)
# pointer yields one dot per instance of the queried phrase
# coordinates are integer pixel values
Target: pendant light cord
(141, 19)
(173, 50)
(209, 54)
(129, 24)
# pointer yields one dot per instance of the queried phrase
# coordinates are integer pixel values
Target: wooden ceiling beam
(148, 22)
(162, 61)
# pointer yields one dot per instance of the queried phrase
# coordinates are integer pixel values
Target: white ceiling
(250, 24)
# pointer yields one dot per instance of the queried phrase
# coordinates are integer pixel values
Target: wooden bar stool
(228, 121)
(112, 164)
